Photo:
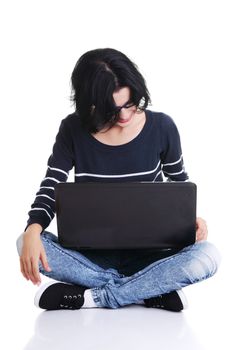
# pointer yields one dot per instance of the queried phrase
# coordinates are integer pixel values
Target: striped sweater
(153, 155)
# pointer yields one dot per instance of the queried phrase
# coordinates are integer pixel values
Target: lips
(124, 120)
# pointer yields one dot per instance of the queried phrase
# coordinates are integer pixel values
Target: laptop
(129, 215)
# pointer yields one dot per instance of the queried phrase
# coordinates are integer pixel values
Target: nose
(124, 113)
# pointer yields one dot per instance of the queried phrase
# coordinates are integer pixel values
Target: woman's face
(122, 98)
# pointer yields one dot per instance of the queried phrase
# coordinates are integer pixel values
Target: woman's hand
(32, 252)
(201, 229)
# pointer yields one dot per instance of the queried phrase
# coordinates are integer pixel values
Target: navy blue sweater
(153, 155)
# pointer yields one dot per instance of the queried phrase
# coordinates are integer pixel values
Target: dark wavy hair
(96, 76)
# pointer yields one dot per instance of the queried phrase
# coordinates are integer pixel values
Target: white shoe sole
(183, 298)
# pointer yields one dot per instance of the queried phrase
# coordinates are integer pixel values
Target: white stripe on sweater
(157, 175)
(180, 172)
(177, 161)
(118, 176)
(45, 195)
(51, 178)
(60, 170)
(50, 188)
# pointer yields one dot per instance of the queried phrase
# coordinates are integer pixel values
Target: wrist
(34, 229)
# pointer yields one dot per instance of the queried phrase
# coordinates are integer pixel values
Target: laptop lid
(96, 215)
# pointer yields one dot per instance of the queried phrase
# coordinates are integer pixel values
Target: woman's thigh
(71, 266)
(133, 261)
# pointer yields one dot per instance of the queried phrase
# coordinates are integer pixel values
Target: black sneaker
(59, 295)
(174, 301)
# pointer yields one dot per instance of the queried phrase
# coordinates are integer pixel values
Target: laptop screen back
(126, 215)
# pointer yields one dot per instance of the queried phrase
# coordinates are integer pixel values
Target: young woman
(111, 137)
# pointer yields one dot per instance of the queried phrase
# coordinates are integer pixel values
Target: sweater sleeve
(59, 164)
(171, 156)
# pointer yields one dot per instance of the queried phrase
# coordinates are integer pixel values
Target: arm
(171, 154)
(173, 165)
(43, 208)
(59, 164)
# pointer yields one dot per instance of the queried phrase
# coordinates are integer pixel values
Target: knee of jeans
(19, 244)
(208, 258)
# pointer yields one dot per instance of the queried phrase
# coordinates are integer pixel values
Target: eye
(117, 110)
(129, 104)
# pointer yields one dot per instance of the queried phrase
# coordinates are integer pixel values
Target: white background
(183, 49)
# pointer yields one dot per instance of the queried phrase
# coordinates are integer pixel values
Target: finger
(201, 234)
(198, 225)
(35, 271)
(30, 271)
(198, 234)
(44, 261)
(25, 269)
(22, 270)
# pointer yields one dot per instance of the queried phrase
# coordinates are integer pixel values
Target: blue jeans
(122, 277)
